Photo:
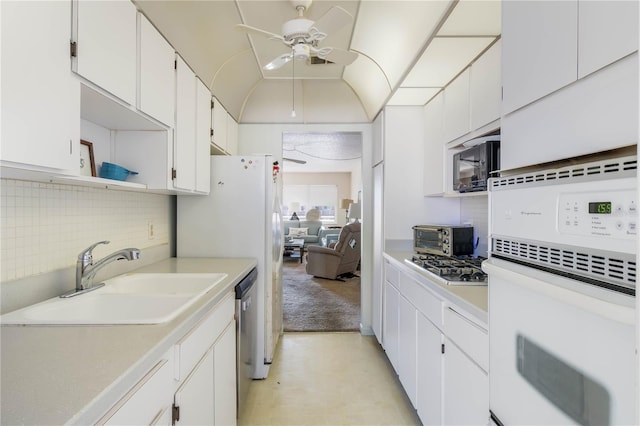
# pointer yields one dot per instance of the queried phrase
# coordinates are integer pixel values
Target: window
(302, 198)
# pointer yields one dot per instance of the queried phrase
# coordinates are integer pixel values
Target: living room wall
(341, 180)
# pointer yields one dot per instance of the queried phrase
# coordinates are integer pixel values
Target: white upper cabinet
(39, 103)
(434, 147)
(539, 40)
(219, 119)
(607, 31)
(185, 131)
(456, 107)
(156, 95)
(193, 126)
(576, 60)
(106, 46)
(203, 130)
(485, 89)
(232, 135)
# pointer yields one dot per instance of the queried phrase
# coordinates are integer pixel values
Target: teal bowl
(114, 171)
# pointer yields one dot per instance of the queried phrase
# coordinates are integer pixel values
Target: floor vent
(616, 270)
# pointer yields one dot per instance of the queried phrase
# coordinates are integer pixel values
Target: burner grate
(464, 269)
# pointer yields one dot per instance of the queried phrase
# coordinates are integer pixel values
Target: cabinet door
(390, 323)
(224, 377)
(185, 131)
(147, 402)
(38, 101)
(195, 398)
(219, 119)
(203, 130)
(157, 74)
(539, 49)
(607, 31)
(429, 372)
(466, 389)
(232, 135)
(106, 46)
(485, 88)
(456, 108)
(434, 160)
(407, 347)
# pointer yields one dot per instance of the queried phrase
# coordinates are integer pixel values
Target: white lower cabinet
(429, 372)
(466, 389)
(224, 378)
(440, 354)
(407, 347)
(194, 399)
(194, 383)
(466, 361)
(147, 401)
(390, 323)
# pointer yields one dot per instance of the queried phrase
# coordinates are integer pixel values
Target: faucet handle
(86, 255)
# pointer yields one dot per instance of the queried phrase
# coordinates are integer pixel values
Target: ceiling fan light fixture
(301, 52)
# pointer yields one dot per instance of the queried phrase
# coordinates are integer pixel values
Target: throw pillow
(298, 232)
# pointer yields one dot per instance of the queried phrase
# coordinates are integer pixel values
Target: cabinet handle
(442, 348)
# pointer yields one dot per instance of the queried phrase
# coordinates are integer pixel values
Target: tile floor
(328, 379)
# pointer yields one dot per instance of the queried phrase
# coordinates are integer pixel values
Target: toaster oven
(445, 240)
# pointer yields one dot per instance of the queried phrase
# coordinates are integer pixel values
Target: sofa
(308, 230)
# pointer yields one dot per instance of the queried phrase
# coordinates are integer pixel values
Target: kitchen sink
(126, 299)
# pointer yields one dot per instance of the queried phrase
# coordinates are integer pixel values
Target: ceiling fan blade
(258, 31)
(278, 62)
(340, 56)
(334, 19)
(294, 160)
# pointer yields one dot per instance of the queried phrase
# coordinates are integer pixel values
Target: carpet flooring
(318, 304)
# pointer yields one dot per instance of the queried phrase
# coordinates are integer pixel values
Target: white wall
(404, 202)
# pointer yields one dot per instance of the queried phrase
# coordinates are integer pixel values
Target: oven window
(577, 395)
(428, 239)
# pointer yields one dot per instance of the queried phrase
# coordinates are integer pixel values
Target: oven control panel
(609, 214)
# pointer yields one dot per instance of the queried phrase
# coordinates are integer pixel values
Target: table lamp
(344, 204)
(355, 211)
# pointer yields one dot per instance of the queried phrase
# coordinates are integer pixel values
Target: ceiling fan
(295, 160)
(303, 36)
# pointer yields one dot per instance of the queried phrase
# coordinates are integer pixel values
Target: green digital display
(601, 207)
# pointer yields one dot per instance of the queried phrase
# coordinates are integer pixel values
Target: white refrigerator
(241, 217)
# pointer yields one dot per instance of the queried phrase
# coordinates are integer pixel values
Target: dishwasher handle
(245, 285)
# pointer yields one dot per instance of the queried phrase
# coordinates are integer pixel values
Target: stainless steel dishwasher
(246, 323)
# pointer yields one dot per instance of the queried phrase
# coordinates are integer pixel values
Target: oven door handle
(613, 306)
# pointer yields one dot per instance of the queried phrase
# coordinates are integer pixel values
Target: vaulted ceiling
(407, 52)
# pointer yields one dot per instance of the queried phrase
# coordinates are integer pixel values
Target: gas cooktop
(460, 270)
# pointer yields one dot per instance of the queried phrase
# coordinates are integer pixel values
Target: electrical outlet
(150, 230)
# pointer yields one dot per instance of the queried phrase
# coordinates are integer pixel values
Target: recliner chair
(343, 258)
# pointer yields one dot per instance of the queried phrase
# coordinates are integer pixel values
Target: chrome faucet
(86, 269)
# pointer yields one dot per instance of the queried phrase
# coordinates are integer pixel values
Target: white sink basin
(127, 299)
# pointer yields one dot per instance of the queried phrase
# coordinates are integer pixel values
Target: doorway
(319, 170)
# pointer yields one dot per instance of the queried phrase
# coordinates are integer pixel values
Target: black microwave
(473, 166)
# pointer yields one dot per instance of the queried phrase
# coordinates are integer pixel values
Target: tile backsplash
(43, 226)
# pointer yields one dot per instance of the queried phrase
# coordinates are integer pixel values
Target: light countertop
(473, 299)
(74, 374)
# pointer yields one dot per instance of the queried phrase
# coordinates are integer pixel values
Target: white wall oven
(562, 282)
